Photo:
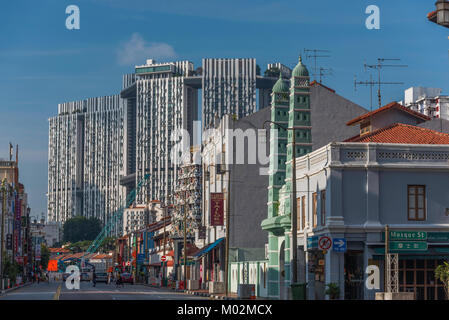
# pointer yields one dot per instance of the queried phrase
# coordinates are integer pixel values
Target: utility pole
(2, 246)
(227, 231)
(185, 245)
(136, 247)
(164, 266)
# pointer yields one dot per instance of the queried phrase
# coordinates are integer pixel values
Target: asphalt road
(102, 291)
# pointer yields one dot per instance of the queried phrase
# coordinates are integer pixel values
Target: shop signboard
(140, 258)
(312, 242)
(217, 209)
(408, 246)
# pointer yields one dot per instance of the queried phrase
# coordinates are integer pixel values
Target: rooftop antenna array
(379, 66)
(315, 54)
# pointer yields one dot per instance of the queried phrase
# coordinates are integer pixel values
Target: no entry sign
(163, 258)
(324, 243)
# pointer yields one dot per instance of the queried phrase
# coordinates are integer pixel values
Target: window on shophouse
(416, 202)
(314, 209)
(323, 207)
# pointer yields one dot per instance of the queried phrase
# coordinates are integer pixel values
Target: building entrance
(354, 275)
(418, 276)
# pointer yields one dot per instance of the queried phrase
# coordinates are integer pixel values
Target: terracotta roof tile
(403, 133)
(392, 105)
(316, 83)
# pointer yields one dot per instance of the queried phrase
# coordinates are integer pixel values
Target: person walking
(94, 279)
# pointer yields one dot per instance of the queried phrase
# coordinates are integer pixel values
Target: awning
(208, 248)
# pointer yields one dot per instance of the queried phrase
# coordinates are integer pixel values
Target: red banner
(216, 209)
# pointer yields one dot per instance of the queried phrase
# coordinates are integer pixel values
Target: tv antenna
(315, 54)
(323, 72)
(380, 64)
(371, 84)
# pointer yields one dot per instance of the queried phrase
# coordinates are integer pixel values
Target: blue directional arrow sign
(339, 244)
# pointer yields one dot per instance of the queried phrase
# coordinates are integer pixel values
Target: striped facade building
(101, 148)
(85, 159)
(229, 87)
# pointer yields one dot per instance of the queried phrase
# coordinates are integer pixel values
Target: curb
(14, 288)
(204, 294)
(194, 293)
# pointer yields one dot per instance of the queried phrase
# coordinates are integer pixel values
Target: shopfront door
(418, 276)
(354, 274)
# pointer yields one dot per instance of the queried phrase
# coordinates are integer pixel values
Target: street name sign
(396, 235)
(408, 246)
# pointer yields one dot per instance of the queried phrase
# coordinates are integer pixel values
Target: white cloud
(137, 50)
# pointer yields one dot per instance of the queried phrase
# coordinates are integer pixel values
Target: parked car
(127, 278)
(101, 277)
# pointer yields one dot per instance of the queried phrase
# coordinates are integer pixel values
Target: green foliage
(108, 244)
(79, 246)
(79, 229)
(273, 72)
(333, 290)
(442, 274)
(45, 256)
(10, 268)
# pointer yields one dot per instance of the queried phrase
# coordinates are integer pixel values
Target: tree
(80, 228)
(273, 72)
(10, 268)
(79, 246)
(442, 274)
(108, 244)
(45, 256)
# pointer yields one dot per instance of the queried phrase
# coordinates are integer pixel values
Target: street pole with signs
(2, 245)
(185, 246)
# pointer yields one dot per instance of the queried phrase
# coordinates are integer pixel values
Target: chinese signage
(408, 245)
(216, 209)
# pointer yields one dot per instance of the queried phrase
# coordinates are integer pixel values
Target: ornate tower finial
(300, 59)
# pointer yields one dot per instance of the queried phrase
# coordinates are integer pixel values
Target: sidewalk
(203, 293)
(14, 288)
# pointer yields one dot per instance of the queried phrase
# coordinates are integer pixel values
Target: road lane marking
(58, 292)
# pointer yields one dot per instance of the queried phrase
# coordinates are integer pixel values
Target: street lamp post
(2, 245)
(293, 206)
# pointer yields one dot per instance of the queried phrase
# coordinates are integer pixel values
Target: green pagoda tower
(289, 107)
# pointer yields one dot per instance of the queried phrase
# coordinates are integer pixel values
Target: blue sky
(42, 63)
